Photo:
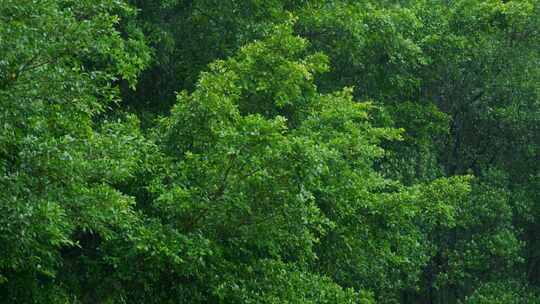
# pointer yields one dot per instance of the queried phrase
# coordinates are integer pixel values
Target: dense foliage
(249, 151)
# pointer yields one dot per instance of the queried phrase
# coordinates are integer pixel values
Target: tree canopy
(278, 151)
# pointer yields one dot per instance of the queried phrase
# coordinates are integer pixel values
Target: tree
(266, 168)
(58, 167)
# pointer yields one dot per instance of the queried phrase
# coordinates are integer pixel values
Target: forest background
(270, 151)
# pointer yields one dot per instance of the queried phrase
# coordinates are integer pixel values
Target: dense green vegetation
(270, 151)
